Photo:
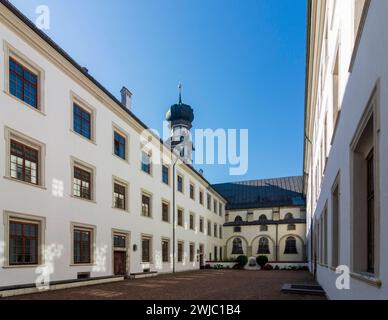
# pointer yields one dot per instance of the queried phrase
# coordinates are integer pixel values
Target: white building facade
(87, 193)
(266, 217)
(75, 189)
(345, 151)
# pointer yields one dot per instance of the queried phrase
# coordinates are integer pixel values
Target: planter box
(225, 265)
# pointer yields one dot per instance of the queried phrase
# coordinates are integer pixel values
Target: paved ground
(199, 285)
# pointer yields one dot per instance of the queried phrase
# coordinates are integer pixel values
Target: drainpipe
(173, 217)
(173, 214)
(277, 242)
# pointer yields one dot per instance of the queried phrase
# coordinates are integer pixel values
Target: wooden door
(120, 265)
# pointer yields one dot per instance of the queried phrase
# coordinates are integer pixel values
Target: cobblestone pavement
(199, 285)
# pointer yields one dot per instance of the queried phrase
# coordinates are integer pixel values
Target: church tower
(181, 116)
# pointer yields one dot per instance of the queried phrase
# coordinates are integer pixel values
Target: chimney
(126, 98)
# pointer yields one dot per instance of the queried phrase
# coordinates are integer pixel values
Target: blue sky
(241, 62)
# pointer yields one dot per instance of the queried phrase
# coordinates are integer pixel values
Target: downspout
(173, 217)
(277, 242)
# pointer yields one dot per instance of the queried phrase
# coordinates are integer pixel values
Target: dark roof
(263, 193)
(84, 71)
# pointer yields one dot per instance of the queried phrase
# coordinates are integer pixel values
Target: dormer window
(289, 216)
(238, 219)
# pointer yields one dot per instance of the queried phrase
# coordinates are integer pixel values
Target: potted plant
(242, 261)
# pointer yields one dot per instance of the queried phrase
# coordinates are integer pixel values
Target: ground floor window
(237, 246)
(180, 251)
(165, 250)
(146, 249)
(23, 243)
(263, 246)
(82, 240)
(192, 253)
(290, 246)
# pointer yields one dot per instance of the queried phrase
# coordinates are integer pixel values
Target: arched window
(237, 246)
(289, 216)
(263, 217)
(291, 227)
(238, 219)
(263, 246)
(290, 246)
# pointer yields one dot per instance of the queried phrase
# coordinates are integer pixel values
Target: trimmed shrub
(262, 261)
(242, 261)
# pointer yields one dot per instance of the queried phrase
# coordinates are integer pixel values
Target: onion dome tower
(181, 116)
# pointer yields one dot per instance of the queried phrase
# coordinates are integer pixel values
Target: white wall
(371, 65)
(53, 129)
(250, 234)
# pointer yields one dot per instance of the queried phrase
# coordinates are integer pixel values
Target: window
(221, 257)
(237, 229)
(201, 197)
(237, 246)
(201, 226)
(165, 212)
(220, 233)
(289, 216)
(335, 226)
(263, 246)
(119, 241)
(82, 121)
(336, 87)
(215, 254)
(146, 205)
(290, 246)
(263, 218)
(365, 174)
(192, 252)
(192, 223)
(263, 227)
(370, 182)
(180, 217)
(209, 201)
(180, 183)
(180, 251)
(209, 228)
(23, 83)
(24, 163)
(146, 249)
(215, 233)
(119, 196)
(291, 227)
(82, 246)
(82, 187)
(165, 174)
(358, 11)
(146, 162)
(119, 145)
(23, 243)
(165, 250)
(238, 219)
(215, 206)
(220, 210)
(192, 191)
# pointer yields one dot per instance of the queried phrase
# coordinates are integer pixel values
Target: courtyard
(198, 285)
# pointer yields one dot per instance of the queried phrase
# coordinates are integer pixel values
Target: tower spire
(180, 92)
